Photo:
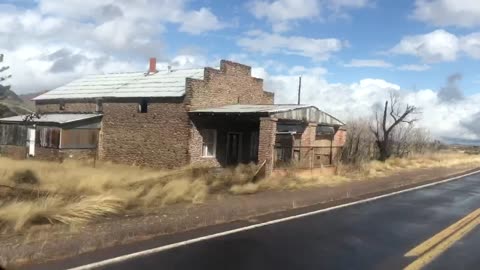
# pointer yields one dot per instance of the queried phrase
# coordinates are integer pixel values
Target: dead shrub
(25, 177)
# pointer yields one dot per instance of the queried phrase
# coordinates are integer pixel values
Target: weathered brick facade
(165, 136)
(268, 129)
(232, 84)
(158, 138)
(69, 106)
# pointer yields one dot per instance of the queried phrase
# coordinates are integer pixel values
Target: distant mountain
(27, 98)
(459, 142)
(11, 104)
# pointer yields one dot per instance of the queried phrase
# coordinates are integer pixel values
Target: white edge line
(254, 226)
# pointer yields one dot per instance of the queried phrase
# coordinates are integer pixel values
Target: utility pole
(299, 89)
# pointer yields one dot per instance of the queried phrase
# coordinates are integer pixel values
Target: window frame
(204, 146)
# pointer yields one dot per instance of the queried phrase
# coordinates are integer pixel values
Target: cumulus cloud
(436, 46)
(462, 13)
(443, 119)
(283, 14)
(439, 46)
(368, 63)
(200, 21)
(271, 43)
(53, 42)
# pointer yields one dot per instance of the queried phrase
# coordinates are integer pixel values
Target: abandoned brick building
(170, 118)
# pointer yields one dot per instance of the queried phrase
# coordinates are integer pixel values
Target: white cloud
(436, 46)
(368, 63)
(282, 14)
(443, 119)
(462, 13)
(197, 22)
(53, 41)
(439, 46)
(267, 43)
(470, 44)
(414, 67)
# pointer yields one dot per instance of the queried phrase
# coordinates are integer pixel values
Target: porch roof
(52, 118)
(281, 111)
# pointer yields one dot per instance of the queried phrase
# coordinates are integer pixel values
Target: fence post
(331, 151)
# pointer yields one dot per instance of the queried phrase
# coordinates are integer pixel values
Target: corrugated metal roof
(59, 118)
(248, 108)
(281, 111)
(161, 84)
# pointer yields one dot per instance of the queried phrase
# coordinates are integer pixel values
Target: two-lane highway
(430, 228)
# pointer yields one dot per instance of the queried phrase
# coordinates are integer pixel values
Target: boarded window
(209, 146)
(13, 134)
(79, 138)
(48, 137)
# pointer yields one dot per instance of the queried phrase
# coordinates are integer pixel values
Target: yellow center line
(434, 240)
(463, 227)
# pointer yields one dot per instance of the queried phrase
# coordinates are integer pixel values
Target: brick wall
(307, 139)
(268, 129)
(232, 84)
(75, 106)
(13, 151)
(158, 138)
(340, 137)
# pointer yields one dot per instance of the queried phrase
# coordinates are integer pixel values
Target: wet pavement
(373, 235)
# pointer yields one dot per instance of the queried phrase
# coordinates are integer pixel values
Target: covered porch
(54, 136)
(269, 135)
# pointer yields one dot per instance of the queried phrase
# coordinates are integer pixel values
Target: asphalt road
(373, 235)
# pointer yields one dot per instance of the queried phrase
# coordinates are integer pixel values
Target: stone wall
(232, 84)
(268, 130)
(158, 138)
(340, 137)
(70, 106)
(307, 139)
(13, 151)
(47, 154)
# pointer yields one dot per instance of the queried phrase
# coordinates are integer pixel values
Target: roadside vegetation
(72, 193)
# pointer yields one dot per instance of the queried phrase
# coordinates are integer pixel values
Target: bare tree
(387, 120)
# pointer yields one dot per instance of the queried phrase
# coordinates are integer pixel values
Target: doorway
(234, 148)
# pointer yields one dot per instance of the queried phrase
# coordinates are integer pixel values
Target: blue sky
(351, 53)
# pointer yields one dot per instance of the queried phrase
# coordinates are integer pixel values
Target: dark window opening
(143, 106)
(62, 106)
(99, 106)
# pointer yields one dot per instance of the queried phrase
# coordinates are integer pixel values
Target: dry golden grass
(431, 160)
(74, 193)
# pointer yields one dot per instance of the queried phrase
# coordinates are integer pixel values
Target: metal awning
(52, 118)
(306, 113)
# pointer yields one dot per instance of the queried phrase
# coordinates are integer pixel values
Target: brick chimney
(153, 66)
